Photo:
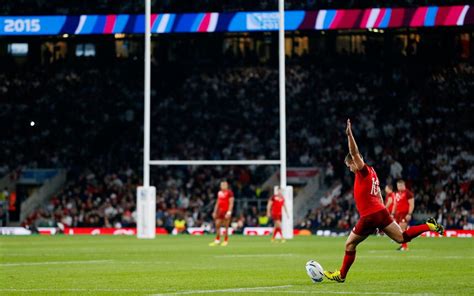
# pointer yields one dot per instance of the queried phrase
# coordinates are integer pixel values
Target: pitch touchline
(53, 263)
(234, 290)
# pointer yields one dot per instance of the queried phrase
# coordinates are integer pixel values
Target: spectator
(179, 224)
(396, 169)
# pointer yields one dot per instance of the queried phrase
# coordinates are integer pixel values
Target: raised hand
(349, 127)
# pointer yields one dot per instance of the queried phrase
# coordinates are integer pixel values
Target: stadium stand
(404, 108)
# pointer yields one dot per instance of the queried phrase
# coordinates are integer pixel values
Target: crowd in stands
(418, 131)
(100, 199)
(35, 7)
(95, 131)
(71, 122)
(411, 121)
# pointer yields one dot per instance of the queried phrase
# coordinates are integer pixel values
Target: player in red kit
(275, 205)
(222, 213)
(372, 211)
(403, 208)
(389, 198)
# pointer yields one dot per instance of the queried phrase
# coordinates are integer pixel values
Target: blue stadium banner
(31, 25)
(208, 22)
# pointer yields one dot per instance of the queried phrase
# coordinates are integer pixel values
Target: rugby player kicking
(372, 211)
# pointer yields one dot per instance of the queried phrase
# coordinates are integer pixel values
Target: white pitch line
(339, 292)
(236, 290)
(148, 262)
(414, 257)
(254, 256)
(53, 263)
(232, 290)
(448, 257)
(76, 290)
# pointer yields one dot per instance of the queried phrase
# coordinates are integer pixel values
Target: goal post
(146, 194)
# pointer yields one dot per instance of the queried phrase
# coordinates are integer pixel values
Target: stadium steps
(8, 181)
(43, 194)
(306, 199)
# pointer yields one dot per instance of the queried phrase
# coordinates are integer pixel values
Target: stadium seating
(101, 145)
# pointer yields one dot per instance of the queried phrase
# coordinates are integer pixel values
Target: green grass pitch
(186, 265)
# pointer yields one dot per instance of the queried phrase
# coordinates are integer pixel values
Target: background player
(275, 205)
(389, 198)
(222, 213)
(403, 209)
(372, 211)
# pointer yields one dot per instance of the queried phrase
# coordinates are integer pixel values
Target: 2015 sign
(22, 25)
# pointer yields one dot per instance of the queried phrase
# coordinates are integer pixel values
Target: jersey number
(375, 190)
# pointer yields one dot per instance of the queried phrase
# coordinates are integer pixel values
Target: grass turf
(186, 265)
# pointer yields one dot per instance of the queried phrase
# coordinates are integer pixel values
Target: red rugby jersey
(366, 191)
(277, 206)
(402, 200)
(223, 198)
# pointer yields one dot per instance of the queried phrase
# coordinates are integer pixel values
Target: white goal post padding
(146, 212)
(287, 220)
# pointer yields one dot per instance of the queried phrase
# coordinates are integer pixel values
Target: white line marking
(236, 290)
(457, 257)
(232, 290)
(53, 263)
(254, 256)
(338, 292)
(147, 262)
(414, 257)
(76, 290)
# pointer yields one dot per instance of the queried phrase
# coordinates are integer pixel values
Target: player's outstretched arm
(353, 149)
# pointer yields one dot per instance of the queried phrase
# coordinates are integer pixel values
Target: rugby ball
(314, 271)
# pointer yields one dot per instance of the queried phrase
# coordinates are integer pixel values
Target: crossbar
(213, 162)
